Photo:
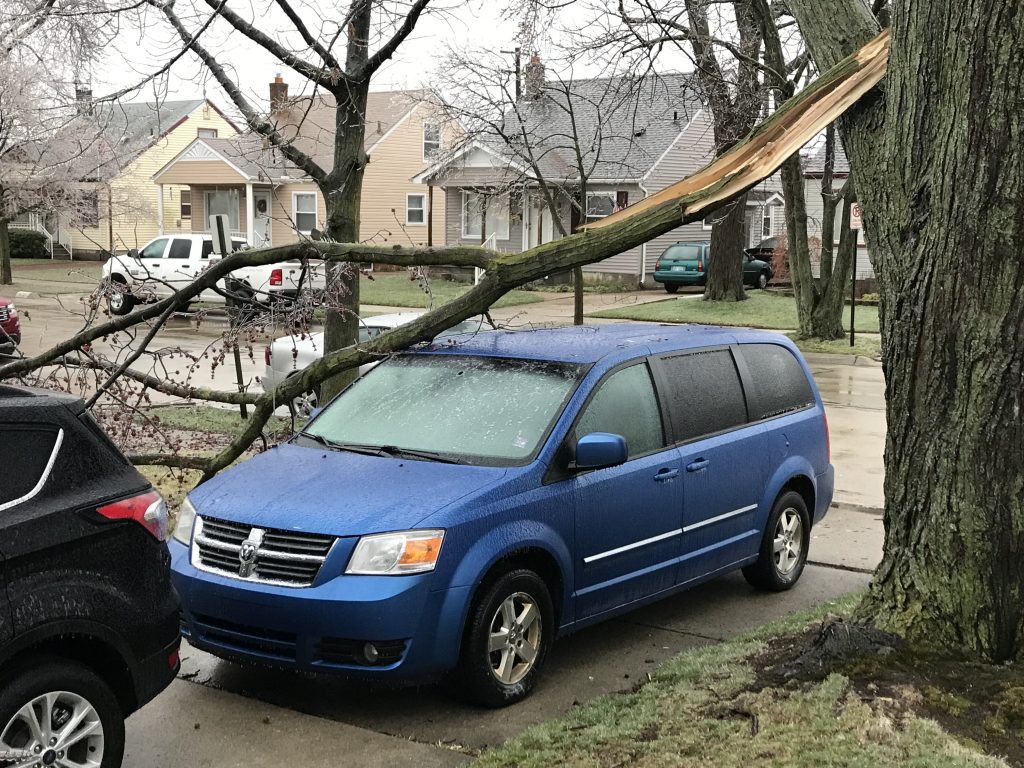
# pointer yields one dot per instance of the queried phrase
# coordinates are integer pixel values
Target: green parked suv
(685, 264)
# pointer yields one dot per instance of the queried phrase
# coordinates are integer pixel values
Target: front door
(626, 517)
(541, 224)
(723, 457)
(261, 228)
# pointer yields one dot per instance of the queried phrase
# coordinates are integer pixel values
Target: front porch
(247, 206)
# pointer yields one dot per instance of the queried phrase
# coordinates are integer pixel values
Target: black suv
(88, 618)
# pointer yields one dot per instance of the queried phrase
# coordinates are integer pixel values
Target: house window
(304, 211)
(89, 210)
(431, 139)
(497, 215)
(599, 205)
(185, 200)
(766, 221)
(415, 209)
(207, 133)
(223, 203)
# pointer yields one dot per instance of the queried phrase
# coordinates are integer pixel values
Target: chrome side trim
(634, 545)
(719, 518)
(42, 480)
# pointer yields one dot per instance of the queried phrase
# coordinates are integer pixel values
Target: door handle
(697, 466)
(665, 474)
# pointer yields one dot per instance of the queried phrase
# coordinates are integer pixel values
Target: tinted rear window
(679, 252)
(778, 383)
(704, 393)
(26, 453)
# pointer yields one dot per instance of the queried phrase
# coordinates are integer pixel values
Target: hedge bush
(28, 244)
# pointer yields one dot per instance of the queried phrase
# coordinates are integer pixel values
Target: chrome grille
(259, 554)
(5, 314)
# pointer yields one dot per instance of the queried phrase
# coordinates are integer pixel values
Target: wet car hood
(335, 492)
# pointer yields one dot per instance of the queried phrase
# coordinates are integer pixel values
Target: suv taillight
(276, 277)
(267, 356)
(146, 509)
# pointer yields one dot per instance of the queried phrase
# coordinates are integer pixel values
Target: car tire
(77, 690)
(671, 288)
(120, 301)
(507, 674)
(762, 280)
(788, 527)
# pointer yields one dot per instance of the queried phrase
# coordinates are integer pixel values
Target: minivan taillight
(657, 265)
(700, 265)
(276, 277)
(828, 439)
(267, 356)
(146, 509)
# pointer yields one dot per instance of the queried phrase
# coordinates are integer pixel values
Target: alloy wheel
(60, 729)
(789, 541)
(515, 638)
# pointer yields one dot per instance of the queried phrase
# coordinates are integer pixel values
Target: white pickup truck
(170, 262)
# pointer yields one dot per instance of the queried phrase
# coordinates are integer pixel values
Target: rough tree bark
(725, 268)
(940, 177)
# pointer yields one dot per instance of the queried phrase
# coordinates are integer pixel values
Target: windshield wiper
(394, 450)
(368, 450)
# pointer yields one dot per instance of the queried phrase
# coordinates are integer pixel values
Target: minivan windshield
(449, 407)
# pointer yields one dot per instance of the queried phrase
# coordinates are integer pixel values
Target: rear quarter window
(703, 392)
(778, 382)
(26, 458)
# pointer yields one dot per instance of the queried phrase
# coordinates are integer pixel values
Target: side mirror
(315, 412)
(599, 450)
(133, 254)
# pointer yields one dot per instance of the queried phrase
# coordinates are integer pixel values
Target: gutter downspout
(643, 248)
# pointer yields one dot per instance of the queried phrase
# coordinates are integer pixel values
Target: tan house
(127, 210)
(269, 201)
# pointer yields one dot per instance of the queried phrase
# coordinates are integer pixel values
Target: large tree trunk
(725, 268)
(940, 176)
(6, 277)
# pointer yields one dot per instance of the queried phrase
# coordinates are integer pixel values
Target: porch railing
(491, 242)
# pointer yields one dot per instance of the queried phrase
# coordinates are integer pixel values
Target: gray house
(626, 138)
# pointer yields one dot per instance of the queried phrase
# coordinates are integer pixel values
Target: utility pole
(518, 54)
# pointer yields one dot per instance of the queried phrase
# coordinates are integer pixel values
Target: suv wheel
(783, 547)
(510, 630)
(57, 712)
(119, 300)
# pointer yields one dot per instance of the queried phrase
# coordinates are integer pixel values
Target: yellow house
(269, 201)
(125, 212)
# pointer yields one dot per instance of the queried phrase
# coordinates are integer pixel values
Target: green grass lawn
(395, 289)
(205, 418)
(864, 346)
(68, 272)
(706, 708)
(760, 310)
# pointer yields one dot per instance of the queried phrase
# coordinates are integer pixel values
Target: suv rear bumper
(154, 673)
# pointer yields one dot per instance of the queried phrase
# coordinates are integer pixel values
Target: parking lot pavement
(605, 658)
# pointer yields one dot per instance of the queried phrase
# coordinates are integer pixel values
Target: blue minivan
(463, 504)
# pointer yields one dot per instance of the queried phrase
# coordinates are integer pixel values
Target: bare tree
(337, 55)
(558, 134)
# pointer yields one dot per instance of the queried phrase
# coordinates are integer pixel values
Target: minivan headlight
(396, 554)
(186, 520)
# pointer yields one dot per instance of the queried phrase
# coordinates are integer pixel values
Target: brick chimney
(278, 94)
(533, 79)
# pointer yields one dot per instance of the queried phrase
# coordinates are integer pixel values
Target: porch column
(250, 216)
(159, 211)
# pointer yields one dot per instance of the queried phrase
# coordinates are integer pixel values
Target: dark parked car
(10, 328)
(88, 621)
(686, 264)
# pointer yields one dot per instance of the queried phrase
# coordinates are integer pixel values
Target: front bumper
(679, 278)
(325, 627)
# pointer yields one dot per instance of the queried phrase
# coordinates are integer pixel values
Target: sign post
(855, 225)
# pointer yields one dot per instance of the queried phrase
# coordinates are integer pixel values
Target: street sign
(855, 220)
